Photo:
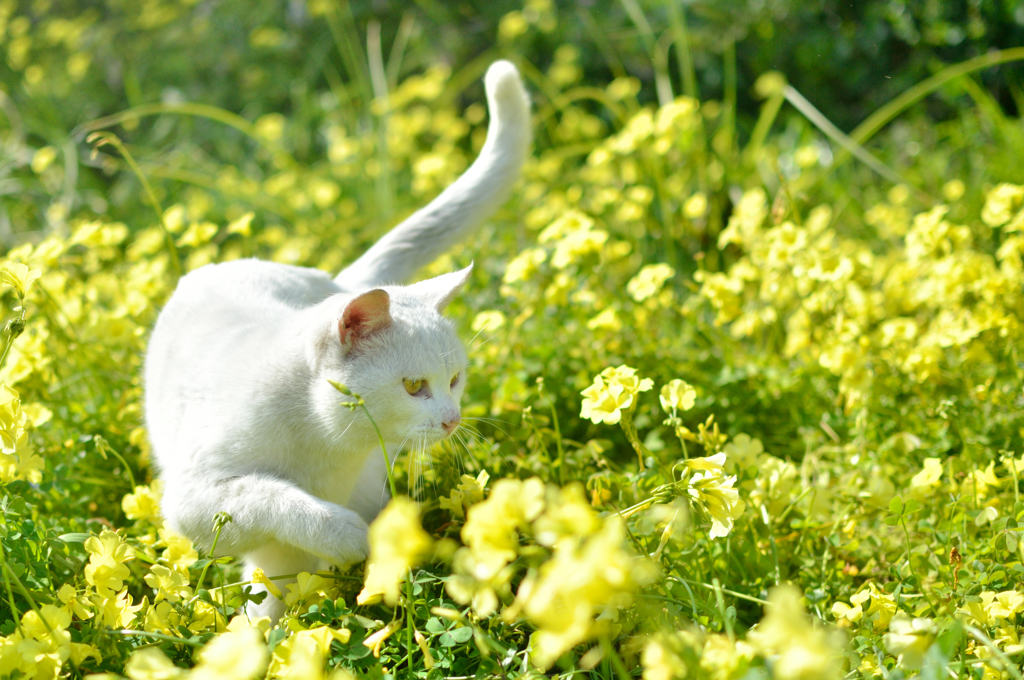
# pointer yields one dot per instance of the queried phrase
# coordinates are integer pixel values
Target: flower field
(745, 394)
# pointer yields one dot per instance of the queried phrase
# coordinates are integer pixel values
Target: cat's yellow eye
(413, 386)
(455, 379)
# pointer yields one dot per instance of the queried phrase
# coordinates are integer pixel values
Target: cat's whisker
(491, 422)
(392, 458)
(488, 420)
(433, 471)
(473, 349)
(460, 462)
(473, 339)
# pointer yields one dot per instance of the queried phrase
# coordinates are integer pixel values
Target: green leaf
(892, 521)
(461, 635)
(896, 505)
(76, 537)
(911, 506)
(434, 625)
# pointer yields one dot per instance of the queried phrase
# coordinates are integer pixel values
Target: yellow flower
(179, 552)
(42, 159)
(801, 650)
(308, 589)
(1000, 204)
(953, 190)
(909, 639)
(488, 322)
(607, 320)
(678, 395)
(80, 652)
(744, 450)
(106, 570)
(257, 576)
(723, 659)
(577, 244)
(143, 503)
(375, 641)
(769, 83)
(930, 475)
(151, 664)
(660, 660)
(242, 225)
(602, 403)
(577, 592)
(714, 493)
(982, 481)
(882, 603)
(1006, 604)
(73, 603)
(116, 611)
(469, 492)
(238, 655)
(301, 656)
(524, 265)
(649, 281)
(169, 584)
(575, 237)
(715, 463)
(197, 234)
(492, 542)
(568, 516)
(397, 543)
(18, 276)
(612, 391)
(695, 206)
(40, 645)
(845, 614)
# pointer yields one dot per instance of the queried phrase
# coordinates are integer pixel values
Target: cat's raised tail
(460, 208)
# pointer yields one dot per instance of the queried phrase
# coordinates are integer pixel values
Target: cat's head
(392, 346)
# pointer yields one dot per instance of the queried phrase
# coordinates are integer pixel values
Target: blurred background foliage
(690, 178)
(67, 63)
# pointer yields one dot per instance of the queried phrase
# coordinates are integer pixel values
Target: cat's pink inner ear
(364, 315)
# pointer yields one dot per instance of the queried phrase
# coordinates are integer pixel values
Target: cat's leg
(371, 492)
(263, 509)
(276, 559)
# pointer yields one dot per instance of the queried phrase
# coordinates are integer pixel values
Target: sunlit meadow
(743, 402)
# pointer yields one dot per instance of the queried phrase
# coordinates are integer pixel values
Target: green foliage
(712, 354)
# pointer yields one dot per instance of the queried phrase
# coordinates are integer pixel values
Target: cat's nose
(452, 423)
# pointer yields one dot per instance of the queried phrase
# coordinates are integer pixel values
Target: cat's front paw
(344, 540)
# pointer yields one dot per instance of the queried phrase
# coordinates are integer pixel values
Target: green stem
(156, 636)
(383, 448)
(1008, 666)
(839, 137)
(10, 336)
(7, 582)
(410, 625)
(717, 587)
(219, 524)
(613, 656)
(24, 591)
(733, 593)
(682, 40)
(558, 432)
(629, 428)
(105, 137)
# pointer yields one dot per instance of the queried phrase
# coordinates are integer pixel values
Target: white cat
(238, 405)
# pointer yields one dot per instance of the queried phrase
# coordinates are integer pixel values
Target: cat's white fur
(239, 409)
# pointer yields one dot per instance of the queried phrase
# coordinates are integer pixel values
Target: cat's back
(215, 336)
(252, 284)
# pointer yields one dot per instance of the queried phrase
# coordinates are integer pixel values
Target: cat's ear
(441, 290)
(364, 315)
